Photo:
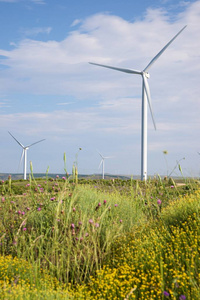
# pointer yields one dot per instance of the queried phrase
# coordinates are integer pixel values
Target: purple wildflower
(166, 294)
(182, 297)
(80, 223)
(72, 225)
(99, 204)
(2, 199)
(159, 202)
(23, 213)
(53, 198)
(104, 201)
(19, 212)
(64, 178)
(116, 205)
(24, 229)
(86, 234)
(172, 186)
(96, 224)
(120, 220)
(74, 209)
(90, 221)
(39, 208)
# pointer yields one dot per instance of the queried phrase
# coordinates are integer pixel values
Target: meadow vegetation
(66, 238)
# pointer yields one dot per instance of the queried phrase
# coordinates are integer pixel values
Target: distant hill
(16, 176)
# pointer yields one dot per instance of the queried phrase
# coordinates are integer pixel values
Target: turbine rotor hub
(147, 75)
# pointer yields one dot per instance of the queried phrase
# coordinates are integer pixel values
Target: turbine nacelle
(146, 74)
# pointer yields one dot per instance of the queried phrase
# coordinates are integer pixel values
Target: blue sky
(48, 89)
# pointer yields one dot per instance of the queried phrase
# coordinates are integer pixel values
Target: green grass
(99, 239)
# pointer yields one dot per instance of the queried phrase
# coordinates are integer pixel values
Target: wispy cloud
(33, 32)
(4, 104)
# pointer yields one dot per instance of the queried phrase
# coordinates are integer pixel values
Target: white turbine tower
(145, 96)
(103, 163)
(24, 152)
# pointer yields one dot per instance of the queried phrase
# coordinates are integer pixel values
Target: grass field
(99, 239)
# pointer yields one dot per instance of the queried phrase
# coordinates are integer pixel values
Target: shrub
(20, 280)
(152, 263)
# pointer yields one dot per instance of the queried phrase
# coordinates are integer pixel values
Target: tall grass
(70, 232)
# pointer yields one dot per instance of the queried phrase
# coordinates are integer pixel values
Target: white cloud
(75, 22)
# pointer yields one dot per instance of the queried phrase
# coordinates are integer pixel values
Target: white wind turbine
(145, 96)
(103, 163)
(24, 152)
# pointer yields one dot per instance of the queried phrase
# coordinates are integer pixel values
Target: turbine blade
(100, 163)
(163, 49)
(35, 143)
(147, 90)
(16, 140)
(100, 154)
(118, 69)
(21, 158)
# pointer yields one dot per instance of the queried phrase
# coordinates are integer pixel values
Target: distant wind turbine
(103, 163)
(24, 152)
(145, 96)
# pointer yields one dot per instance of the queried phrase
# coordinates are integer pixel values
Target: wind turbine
(145, 96)
(24, 152)
(103, 163)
